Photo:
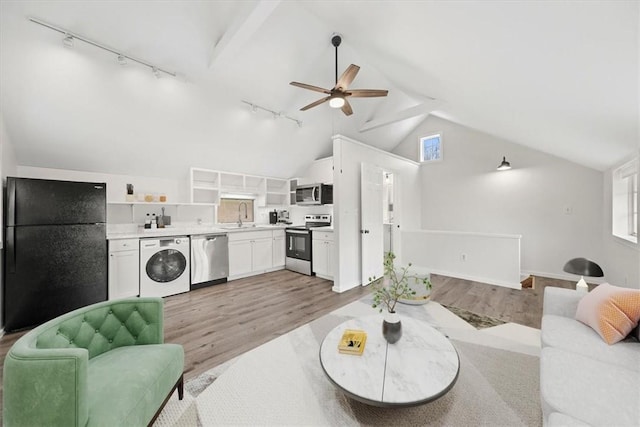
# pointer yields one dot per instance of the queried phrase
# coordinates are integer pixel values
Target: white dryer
(164, 266)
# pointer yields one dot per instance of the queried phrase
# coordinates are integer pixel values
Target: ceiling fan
(338, 95)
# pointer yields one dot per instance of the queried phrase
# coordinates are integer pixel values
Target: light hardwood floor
(217, 323)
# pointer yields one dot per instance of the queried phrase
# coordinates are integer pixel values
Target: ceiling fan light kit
(337, 96)
(336, 102)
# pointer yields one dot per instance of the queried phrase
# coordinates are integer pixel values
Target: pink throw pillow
(611, 311)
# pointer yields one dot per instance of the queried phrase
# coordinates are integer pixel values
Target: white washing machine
(164, 266)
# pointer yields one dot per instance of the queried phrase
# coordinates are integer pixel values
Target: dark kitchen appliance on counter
(209, 260)
(314, 194)
(55, 257)
(273, 217)
(298, 240)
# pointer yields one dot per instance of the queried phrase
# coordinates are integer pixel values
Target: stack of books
(352, 342)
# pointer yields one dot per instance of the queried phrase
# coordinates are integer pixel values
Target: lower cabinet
(322, 254)
(279, 249)
(240, 258)
(252, 252)
(124, 267)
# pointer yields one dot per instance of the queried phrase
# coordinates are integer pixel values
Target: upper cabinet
(319, 172)
(207, 186)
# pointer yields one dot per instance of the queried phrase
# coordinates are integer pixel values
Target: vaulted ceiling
(560, 77)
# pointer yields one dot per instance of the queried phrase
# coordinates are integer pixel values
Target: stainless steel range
(299, 243)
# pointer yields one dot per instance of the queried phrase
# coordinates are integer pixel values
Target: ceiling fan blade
(347, 77)
(314, 104)
(311, 87)
(346, 108)
(366, 93)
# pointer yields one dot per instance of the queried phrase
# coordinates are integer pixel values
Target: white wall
(348, 156)
(479, 257)
(7, 168)
(621, 257)
(554, 204)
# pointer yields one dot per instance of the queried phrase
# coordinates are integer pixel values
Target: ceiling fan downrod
(335, 41)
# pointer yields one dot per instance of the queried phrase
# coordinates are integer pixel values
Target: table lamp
(583, 267)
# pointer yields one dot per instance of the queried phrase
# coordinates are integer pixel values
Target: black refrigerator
(55, 257)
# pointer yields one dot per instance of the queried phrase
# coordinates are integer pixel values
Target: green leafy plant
(386, 295)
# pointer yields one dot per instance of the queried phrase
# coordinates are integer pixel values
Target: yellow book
(352, 342)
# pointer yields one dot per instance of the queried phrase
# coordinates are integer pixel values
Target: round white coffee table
(422, 366)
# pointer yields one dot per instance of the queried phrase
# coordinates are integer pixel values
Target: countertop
(194, 230)
(325, 228)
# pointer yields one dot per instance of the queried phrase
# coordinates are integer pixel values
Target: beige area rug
(282, 383)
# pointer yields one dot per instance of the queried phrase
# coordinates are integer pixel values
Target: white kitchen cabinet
(318, 172)
(279, 249)
(250, 253)
(322, 248)
(240, 258)
(208, 186)
(262, 254)
(124, 268)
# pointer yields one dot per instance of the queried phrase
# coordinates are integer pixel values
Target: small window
(431, 148)
(234, 210)
(625, 201)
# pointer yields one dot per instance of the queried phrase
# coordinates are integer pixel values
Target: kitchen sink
(235, 227)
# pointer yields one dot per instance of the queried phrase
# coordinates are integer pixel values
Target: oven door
(299, 244)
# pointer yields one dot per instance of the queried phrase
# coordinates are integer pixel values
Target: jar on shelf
(163, 197)
(148, 197)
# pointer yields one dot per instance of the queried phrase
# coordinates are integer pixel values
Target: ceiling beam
(242, 29)
(424, 108)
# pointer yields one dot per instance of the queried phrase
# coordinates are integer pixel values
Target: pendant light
(504, 165)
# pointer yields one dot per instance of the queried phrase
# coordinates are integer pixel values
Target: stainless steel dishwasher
(209, 260)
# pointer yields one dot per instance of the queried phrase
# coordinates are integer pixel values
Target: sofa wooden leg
(181, 387)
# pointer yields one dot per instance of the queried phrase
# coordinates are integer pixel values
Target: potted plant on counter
(396, 284)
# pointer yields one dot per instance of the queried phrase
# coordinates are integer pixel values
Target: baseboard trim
(477, 279)
(569, 277)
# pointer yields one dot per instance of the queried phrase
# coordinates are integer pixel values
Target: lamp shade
(583, 267)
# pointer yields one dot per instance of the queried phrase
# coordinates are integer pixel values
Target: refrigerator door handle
(11, 250)
(11, 202)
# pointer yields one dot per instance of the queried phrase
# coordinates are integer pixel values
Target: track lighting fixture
(276, 114)
(67, 41)
(70, 37)
(504, 165)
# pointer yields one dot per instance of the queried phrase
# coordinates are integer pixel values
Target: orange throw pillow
(611, 311)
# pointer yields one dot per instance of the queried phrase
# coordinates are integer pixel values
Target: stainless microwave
(314, 194)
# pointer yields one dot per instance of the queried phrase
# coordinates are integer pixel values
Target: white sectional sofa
(583, 380)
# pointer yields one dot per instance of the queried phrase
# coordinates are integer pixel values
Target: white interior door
(371, 214)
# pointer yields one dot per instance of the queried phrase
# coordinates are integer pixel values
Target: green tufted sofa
(100, 365)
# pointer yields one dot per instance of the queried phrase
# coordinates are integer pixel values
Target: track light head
(504, 166)
(122, 60)
(67, 41)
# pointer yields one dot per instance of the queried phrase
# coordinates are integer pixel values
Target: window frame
(251, 209)
(440, 149)
(624, 201)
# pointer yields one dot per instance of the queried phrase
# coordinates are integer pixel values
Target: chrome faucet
(245, 213)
